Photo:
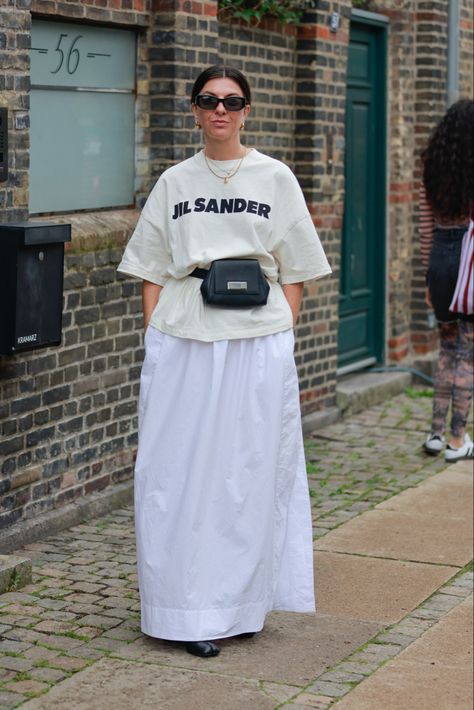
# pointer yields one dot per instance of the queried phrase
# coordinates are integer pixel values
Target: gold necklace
(230, 174)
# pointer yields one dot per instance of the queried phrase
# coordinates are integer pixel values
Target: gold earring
(242, 126)
(198, 125)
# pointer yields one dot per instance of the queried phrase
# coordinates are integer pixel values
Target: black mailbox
(31, 284)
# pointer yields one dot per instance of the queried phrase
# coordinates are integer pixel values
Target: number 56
(73, 56)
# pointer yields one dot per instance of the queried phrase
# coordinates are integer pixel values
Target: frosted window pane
(82, 153)
(82, 141)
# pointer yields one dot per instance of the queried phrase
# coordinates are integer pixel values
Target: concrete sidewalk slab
(405, 528)
(121, 685)
(292, 649)
(446, 495)
(373, 589)
(434, 672)
(404, 536)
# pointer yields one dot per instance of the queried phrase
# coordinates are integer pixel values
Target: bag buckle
(237, 285)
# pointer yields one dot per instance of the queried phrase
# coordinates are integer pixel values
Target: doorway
(362, 276)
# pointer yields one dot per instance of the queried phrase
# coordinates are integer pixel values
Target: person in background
(446, 206)
(223, 518)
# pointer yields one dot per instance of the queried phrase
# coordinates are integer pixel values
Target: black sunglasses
(210, 103)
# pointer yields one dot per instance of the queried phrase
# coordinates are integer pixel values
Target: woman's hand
(428, 298)
(294, 294)
(150, 295)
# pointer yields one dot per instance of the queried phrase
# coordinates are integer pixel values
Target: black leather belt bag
(233, 283)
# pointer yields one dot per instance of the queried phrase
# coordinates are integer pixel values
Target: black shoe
(205, 649)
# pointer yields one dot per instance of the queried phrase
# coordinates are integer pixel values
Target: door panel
(361, 330)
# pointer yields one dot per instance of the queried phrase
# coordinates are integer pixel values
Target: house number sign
(75, 56)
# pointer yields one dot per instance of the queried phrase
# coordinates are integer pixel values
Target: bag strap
(199, 273)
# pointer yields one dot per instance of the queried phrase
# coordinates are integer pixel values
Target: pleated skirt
(222, 511)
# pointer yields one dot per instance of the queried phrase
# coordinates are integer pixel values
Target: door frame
(375, 21)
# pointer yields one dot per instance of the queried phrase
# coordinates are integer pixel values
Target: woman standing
(446, 204)
(221, 498)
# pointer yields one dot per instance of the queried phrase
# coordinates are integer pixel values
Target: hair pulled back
(219, 71)
(448, 163)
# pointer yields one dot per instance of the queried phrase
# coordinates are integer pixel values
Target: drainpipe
(453, 51)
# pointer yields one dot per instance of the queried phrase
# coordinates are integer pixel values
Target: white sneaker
(434, 444)
(466, 451)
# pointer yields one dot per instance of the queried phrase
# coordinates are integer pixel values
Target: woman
(446, 203)
(221, 498)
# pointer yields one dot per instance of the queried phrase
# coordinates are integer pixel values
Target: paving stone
(397, 638)
(26, 686)
(279, 691)
(54, 604)
(87, 587)
(6, 674)
(317, 702)
(41, 653)
(122, 634)
(9, 700)
(102, 622)
(381, 651)
(85, 651)
(20, 609)
(23, 621)
(7, 645)
(118, 602)
(89, 631)
(358, 667)
(52, 627)
(63, 643)
(113, 645)
(13, 663)
(59, 615)
(49, 675)
(81, 609)
(67, 663)
(82, 598)
(117, 613)
(18, 597)
(338, 676)
(332, 690)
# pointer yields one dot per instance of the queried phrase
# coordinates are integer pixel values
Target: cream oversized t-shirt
(192, 218)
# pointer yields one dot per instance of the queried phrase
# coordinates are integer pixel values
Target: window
(82, 117)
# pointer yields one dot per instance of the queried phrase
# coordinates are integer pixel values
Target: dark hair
(218, 71)
(448, 163)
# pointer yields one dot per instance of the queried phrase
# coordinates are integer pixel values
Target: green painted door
(362, 293)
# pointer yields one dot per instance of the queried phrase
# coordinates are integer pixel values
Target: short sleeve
(300, 254)
(295, 242)
(147, 255)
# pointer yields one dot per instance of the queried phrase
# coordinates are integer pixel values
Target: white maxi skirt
(223, 518)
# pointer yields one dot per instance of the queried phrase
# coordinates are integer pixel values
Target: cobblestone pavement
(83, 602)
(358, 462)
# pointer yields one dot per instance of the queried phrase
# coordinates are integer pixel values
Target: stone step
(15, 572)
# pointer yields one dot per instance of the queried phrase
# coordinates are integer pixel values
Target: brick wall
(431, 98)
(182, 41)
(15, 24)
(320, 111)
(266, 55)
(68, 414)
(466, 49)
